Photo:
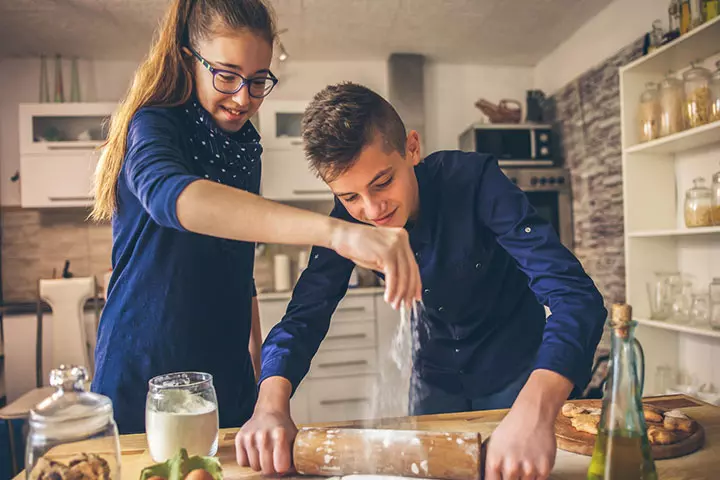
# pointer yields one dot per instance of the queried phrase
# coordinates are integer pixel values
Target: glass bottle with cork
(622, 449)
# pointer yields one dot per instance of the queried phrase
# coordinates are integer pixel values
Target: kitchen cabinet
(59, 149)
(352, 366)
(286, 173)
(286, 176)
(280, 124)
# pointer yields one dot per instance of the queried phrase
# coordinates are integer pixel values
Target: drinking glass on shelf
(660, 294)
(715, 304)
(664, 379)
(681, 300)
(700, 309)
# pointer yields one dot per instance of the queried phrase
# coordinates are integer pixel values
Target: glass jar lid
(699, 189)
(71, 411)
(697, 73)
(670, 82)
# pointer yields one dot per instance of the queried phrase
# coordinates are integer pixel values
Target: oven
(548, 190)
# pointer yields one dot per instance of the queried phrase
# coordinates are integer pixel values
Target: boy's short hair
(341, 121)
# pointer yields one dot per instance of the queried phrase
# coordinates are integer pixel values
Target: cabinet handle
(348, 336)
(345, 400)
(71, 199)
(350, 309)
(311, 192)
(73, 147)
(349, 363)
(296, 142)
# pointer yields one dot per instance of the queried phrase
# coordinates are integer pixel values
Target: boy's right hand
(265, 442)
(385, 250)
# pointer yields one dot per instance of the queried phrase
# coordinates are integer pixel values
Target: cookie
(660, 436)
(585, 422)
(571, 410)
(652, 414)
(676, 420)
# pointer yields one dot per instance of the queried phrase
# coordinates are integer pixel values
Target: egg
(199, 474)
(156, 478)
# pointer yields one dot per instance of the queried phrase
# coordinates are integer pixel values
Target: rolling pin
(405, 453)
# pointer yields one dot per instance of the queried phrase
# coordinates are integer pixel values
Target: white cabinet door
(57, 180)
(286, 175)
(342, 398)
(280, 124)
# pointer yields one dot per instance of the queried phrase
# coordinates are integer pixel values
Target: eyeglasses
(229, 83)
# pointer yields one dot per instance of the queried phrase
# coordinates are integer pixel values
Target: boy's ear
(412, 147)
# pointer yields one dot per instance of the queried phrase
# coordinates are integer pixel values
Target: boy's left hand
(522, 447)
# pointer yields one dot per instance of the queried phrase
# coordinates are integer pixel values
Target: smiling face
(242, 52)
(380, 187)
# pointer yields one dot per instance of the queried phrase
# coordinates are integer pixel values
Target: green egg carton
(180, 465)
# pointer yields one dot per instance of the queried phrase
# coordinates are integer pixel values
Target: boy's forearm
(544, 394)
(274, 395)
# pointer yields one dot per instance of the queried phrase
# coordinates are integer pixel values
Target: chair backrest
(67, 298)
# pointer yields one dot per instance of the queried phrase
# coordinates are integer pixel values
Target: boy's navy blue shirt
(178, 301)
(488, 264)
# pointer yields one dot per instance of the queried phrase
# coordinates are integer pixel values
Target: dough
(660, 436)
(373, 477)
(652, 414)
(676, 420)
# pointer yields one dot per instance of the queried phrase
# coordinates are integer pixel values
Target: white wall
(619, 24)
(451, 91)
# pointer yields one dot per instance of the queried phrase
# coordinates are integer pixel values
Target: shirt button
(478, 265)
(417, 254)
(440, 309)
(528, 229)
(427, 290)
(457, 350)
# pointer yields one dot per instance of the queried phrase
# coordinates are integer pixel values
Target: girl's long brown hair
(165, 78)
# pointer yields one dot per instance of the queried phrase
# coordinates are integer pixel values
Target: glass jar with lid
(714, 113)
(697, 96)
(698, 205)
(72, 433)
(671, 97)
(649, 113)
(716, 199)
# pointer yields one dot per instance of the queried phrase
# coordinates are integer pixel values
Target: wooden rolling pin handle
(422, 454)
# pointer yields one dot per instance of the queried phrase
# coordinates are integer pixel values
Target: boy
(488, 264)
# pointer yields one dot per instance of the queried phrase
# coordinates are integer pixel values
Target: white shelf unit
(656, 176)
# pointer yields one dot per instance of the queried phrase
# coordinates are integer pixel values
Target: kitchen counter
(703, 464)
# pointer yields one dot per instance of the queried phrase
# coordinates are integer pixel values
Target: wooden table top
(703, 464)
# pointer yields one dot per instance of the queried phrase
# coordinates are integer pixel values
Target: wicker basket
(507, 111)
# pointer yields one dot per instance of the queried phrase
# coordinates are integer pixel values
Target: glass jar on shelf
(714, 113)
(673, 20)
(697, 96)
(712, 9)
(649, 113)
(72, 433)
(715, 304)
(698, 205)
(671, 97)
(685, 16)
(715, 192)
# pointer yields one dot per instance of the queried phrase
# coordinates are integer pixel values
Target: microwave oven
(514, 145)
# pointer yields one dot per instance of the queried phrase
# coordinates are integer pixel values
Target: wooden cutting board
(571, 440)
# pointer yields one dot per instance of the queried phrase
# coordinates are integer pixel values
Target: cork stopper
(621, 319)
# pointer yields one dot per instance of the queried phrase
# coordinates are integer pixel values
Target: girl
(179, 178)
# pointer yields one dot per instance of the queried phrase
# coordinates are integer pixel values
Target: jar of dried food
(716, 199)
(714, 113)
(649, 113)
(671, 99)
(698, 205)
(72, 433)
(697, 96)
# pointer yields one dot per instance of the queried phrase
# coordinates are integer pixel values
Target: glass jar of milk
(181, 412)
